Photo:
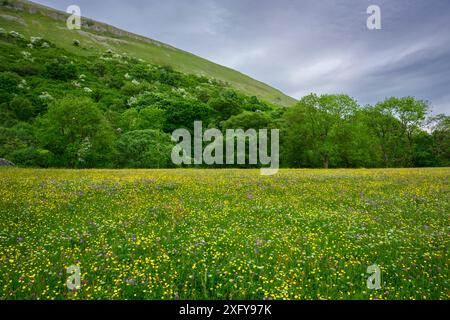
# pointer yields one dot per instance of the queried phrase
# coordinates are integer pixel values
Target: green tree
(355, 143)
(22, 108)
(441, 139)
(412, 114)
(129, 120)
(225, 108)
(152, 118)
(313, 129)
(20, 136)
(248, 120)
(422, 153)
(9, 85)
(141, 119)
(387, 131)
(144, 149)
(182, 113)
(19, 144)
(395, 121)
(76, 132)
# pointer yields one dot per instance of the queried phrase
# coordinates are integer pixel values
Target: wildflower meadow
(224, 234)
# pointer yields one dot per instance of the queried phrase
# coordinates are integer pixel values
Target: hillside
(83, 100)
(31, 19)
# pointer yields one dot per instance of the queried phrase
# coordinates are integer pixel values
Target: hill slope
(32, 19)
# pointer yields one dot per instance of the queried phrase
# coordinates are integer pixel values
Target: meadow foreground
(224, 234)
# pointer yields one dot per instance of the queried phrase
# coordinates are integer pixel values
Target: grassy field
(38, 21)
(224, 234)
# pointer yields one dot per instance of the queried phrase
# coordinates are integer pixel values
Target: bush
(7, 118)
(114, 82)
(31, 157)
(16, 35)
(248, 120)
(9, 82)
(22, 108)
(61, 71)
(225, 108)
(144, 149)
(99, 69)
(27, 69)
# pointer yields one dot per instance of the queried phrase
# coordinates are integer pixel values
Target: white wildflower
(46, 96)
(84, 150)
(27, 55)
(16, 35)
(36, 40)
(132, 101)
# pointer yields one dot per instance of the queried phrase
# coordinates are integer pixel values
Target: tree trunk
(385, 156)
(326, 162)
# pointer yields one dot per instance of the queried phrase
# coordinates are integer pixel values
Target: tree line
(333, 130)
(109, 110)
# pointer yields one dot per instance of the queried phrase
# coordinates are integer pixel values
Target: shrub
(9, 82)
(27, 69)
(31, 157)
(144, 149)
(22, 108)
(61, 71)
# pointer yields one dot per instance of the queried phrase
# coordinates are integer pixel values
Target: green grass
(51, 24)
(224, 234)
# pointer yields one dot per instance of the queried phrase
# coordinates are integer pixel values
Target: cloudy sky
(303, 46)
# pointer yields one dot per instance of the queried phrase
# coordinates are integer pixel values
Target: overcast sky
(303, 46)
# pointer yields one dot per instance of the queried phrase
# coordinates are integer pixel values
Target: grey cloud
(303, 46)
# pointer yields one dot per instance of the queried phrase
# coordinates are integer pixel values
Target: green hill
(31, 19)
